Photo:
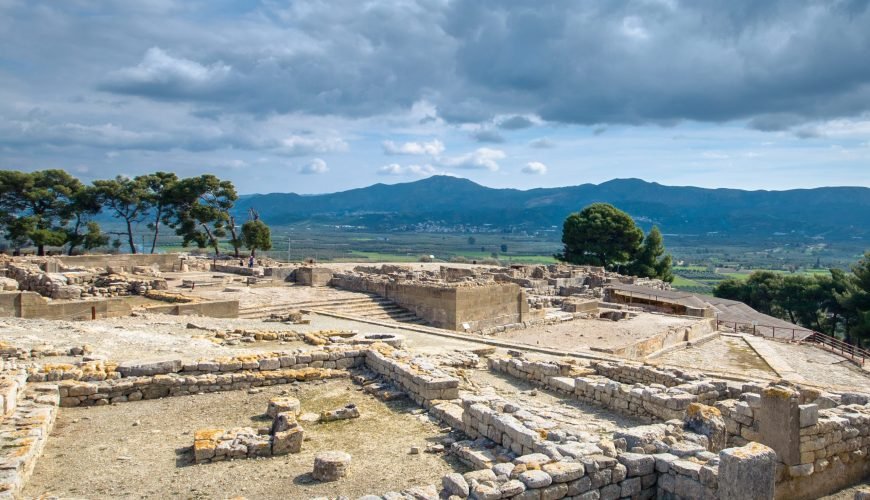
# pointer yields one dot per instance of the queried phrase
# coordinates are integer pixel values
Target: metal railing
(855, 353)
(851, 352)
(754, 328)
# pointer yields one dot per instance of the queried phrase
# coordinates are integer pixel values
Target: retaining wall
(450, 307)
(669, 338)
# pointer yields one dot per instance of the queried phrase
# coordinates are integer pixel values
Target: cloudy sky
(324, 95)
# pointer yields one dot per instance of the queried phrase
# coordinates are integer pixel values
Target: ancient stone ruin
(466, 412)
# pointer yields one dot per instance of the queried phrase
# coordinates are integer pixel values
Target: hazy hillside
(837, 213)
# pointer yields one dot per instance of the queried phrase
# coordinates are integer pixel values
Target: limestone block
(563, 472)
(809, 415)
(480, 476)
(779, 422)
(483, 491)
(347, 412)
(637, 464)
(283, 404)
(455, 484)
(289, 441)
(331, 465)
(707, 421)
(535, 479)
(149, 368)
(630, 487)
(511, 488)
(283, 421)
(748, 472)
(554, 492)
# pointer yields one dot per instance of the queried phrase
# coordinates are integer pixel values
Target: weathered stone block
(289, 441)
(637, 464)
(748, 472)
(149, 368)
(809, 415)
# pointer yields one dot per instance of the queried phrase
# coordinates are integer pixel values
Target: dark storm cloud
(575, 62)
(515, 123)
(777, 65)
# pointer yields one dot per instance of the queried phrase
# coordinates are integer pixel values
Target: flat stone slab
(149, 368)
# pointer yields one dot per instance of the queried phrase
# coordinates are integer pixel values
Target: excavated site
(173, 376)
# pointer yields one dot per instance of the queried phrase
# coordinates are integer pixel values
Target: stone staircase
(359, 304)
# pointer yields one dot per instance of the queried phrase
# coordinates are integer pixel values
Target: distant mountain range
(834, 213)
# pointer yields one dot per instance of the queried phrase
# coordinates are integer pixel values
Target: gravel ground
(156, 336)
(581, 334)
(142, 450)
(725, 354)
(822, 367)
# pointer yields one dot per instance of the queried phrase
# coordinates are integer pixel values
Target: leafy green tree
(35, 206)
(256, 235)
(202, 211)
(731, 289)
(128, 199)
(801, 300)
(856, 301)
(650, 260)
(83, 231)
(160, 187)
(599, 235)
(763, 291)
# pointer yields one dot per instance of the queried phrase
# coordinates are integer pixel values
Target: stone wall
(33, 305)
(213, 309)
(313, 276)
(25, 424)
(165, 262)
(477, 306)
(516, 455)
(103, 383)
(649, 402)
(417, 376)
(98, 383)
(671, 337)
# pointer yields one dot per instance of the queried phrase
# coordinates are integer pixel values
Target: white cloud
(632, 27)
(396, 169)
(300, 145)
(431, 148)
(314, 167)
(535, 168)
(160, 68)
(482, 159)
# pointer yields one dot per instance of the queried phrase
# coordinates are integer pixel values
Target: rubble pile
(284, 436)
(73, 284)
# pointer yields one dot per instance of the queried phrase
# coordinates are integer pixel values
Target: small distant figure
(251, 262)
(241, 262)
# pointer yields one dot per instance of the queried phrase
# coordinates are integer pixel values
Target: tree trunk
(130, 237)
(253, 250)
(236, 245)
(156, 230)
(40, 250)
(212, 239)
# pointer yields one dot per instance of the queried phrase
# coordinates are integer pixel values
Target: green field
(704, 260)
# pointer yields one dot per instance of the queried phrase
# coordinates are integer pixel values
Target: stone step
(26, 431)
(366, 306)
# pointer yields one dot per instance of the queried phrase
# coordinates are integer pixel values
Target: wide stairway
(359, 304)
